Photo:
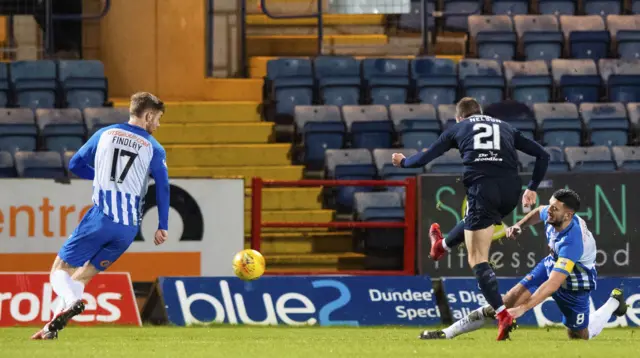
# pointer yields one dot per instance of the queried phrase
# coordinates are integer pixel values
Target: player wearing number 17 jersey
(119, 159)
(488, 149)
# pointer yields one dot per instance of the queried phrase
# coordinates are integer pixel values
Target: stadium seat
(633, 112)
(447, 115)
(577, 81)
(66, 158)
(39, 165)
(528, 82)
(449, 163)
(291, 82)
(4, 85)
(97, 118)
(627, 158)
(83, 83)
(602, 7)
(586, 37)
(482, 79)
(34, 83)
(349, 164)
(518, 114)
(635, 7)
(18, 130)
(557, 7)
(387, 80)
(320, 128)
(368, 126)
(7, 168)
(509, 7)
(413, 20)
(493, 37)
(61, 129)
(622, 79)
(539, 36)
(590, 159)
(338, 80)
(607, 123)
(436, 80)
(557, 162)
(625, 34)
(385, 206)
(462, 7)
(560, 124)
(386, 170)
(416, 124)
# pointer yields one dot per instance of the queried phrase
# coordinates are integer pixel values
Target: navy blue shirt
(488, 147)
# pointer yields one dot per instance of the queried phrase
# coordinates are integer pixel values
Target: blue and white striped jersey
(120, 159)
(574, 253)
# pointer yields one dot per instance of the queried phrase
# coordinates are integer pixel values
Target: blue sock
(455, 236)
(488, 284)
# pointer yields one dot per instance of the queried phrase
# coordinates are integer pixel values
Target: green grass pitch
(309, 342)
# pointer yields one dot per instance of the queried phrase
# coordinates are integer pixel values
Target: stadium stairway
(228, 139)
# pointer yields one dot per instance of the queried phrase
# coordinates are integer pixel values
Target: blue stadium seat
(97, 118)
(447, 115)
(349, 164)
(462, 7)
(602, 7)
(417, 124)
(4, 85)
(576, 81)
(529, 82)
(557, 162)
(369, 126)
(625, 34)
(607, 123)
(436, 80)
(387, 80)
(560, 124)
(338, 79)
(493, 36)
(518, 114)
(386, 170)
(586, 37)
(590, 159)
(34, 83)
(413, 20)
(385, 206)
(18, 130)
(61, 129)
(449, 163)
(622, 79)
(633, 112)
(291, 82)
(39, 165)
(321, 128)
(7, 168)
(539, 36)
(66, 158)
(627, 158)
(510, 7)
(83, 83)
(635, 7)
(557, 7)
(482, 79)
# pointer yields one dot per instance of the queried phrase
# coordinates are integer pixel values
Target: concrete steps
(339, 261)
(228, 155)
(219, 133)
(282, 172)
(303, 243)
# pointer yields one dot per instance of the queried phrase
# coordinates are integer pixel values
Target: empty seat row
(344, 81)
(22, 129)
(23, 164)
(417, 126)
(53, 84)
(547, 37)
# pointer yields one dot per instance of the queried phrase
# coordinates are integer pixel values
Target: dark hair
(569, 198)
(145, 101)
(468, 106)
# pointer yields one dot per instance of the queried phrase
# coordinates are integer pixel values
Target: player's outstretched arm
(160, 174)
(442, 145)
(532, 148)
(545, 290)
(533, 217)
(80, 163)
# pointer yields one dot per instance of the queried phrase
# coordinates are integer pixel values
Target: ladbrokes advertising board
(324, 301)
(608, 207)
(206, 226)
(28, 299)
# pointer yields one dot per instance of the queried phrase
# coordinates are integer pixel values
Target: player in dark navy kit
(488, 149)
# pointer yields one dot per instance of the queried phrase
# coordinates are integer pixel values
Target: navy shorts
(574, 305)
(98, 240)
(489, 200)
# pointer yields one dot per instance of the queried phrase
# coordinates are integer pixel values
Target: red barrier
(408, 225)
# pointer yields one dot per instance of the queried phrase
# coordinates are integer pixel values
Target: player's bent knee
(85, 273)
(60, 264)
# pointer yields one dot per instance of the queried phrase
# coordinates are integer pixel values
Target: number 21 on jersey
(487, 136)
